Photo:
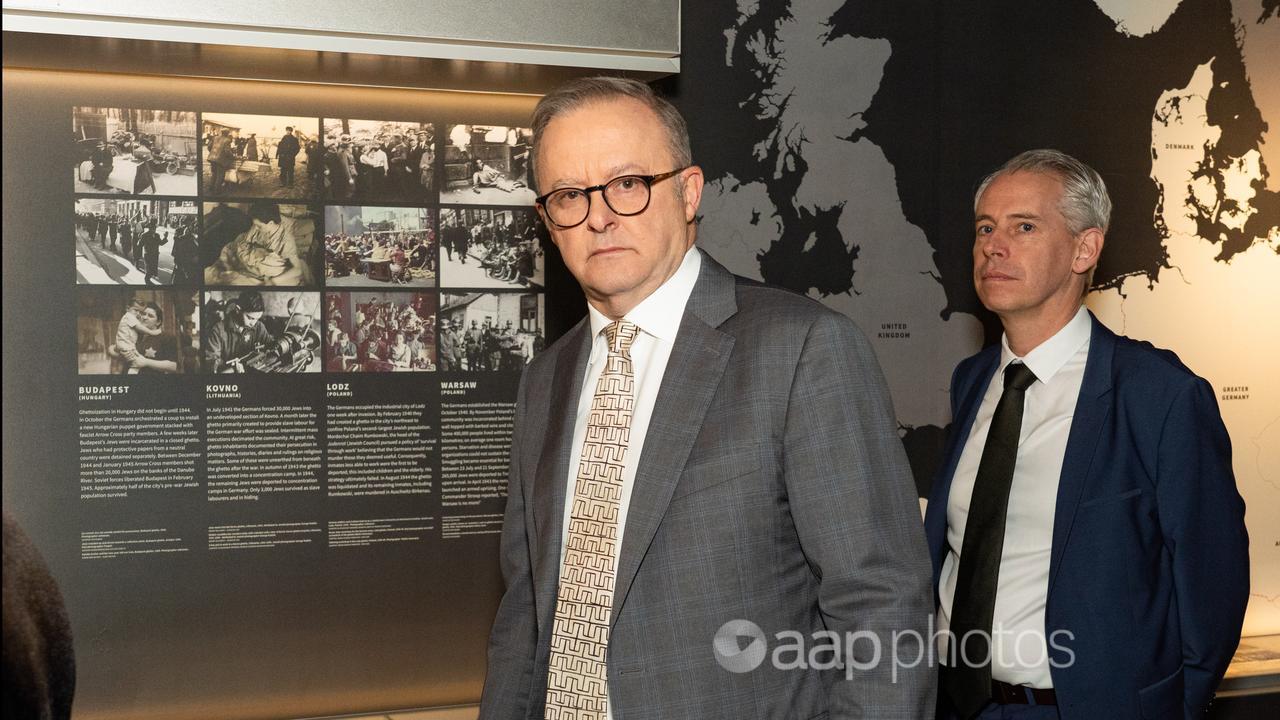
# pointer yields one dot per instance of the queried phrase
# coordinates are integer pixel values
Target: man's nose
(599, 215)
(994, 244)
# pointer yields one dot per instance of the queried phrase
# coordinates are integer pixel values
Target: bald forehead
(601, 131)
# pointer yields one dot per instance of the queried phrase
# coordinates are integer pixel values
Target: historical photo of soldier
(496, 332)
(487, 165)
(137, 242)
(380, 331)
(259, 156)
(379, 246)
(134, 151)
(255, 331)
(374, 161)
(261, 243)
(137, 331)
(481, 248)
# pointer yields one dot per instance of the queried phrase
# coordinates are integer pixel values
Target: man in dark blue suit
(1088, 541)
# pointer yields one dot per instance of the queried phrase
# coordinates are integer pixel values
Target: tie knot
(620, 334)
(1018, 376)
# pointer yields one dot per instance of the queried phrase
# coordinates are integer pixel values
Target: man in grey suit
(703, 460)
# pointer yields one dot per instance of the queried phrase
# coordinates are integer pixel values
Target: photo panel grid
(491, 331)
(491, 248)
(137, 331)
(137, 242)
(376, 331)
(261, 331)
(134, 151)
(261, 156)
(487, 165)
(379, 161)
(261, 243)
(379, 246)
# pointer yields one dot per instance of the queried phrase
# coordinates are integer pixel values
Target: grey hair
(1085, 203)
(584, 91)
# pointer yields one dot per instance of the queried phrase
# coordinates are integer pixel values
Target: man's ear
(1088, 249)
(691, 192)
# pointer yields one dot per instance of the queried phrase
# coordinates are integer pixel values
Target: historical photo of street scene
(374, 161)
(490, 331)
(260, 331)
(134, 151)
(261, 156)
(487, 165)
(137, 242)
(123, 331)
(380, 332)
(379, 246)
(482, 248)
(261, 243)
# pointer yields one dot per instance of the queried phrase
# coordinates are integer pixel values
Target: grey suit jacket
(772, 487)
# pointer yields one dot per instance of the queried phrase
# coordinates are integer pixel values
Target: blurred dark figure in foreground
(39, 663)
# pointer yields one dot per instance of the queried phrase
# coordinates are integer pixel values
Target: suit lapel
(1093, 409)
(698, 359)
(939, 495)
(553, 467)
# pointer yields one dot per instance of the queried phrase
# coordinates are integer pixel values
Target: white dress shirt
(1019, 646)
(658, 317)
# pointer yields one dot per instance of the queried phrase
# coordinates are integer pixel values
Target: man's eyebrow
(613, 172)
(567, 182)
(1015, 216)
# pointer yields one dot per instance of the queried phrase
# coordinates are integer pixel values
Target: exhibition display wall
(315, 534)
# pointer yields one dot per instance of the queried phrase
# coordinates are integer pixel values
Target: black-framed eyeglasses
(625, 195)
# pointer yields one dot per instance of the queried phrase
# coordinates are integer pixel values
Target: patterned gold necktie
(576, 677)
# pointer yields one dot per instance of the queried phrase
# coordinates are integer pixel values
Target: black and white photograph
(137, 242)
(376, 161)
(481, 248)
(124, 331)
(380, 331)
(366, 246)
(261, 331)
(261, 156)
(133, 151)
(487, 165)
(491, 332)
(261, 243)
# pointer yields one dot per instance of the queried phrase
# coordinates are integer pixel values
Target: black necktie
(968, 684)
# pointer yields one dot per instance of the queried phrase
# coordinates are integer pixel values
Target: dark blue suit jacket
(1149, 569)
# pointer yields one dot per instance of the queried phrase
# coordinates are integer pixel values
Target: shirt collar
(1047, 358)
(659, 314)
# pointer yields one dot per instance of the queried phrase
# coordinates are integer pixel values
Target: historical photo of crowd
(261, 156)
(122, 331)
(374, 161)
(490, 331)
(261, 243)
(134, 151)
(137, 242)
(380, 332)
(253, 331)
(487, 165)
(482, 248)
(379, 245)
